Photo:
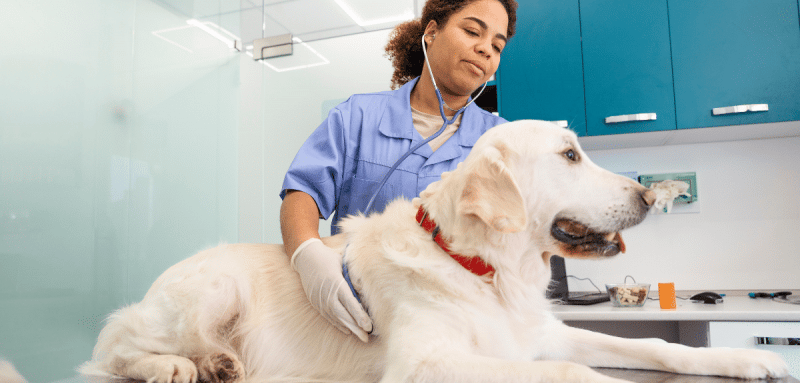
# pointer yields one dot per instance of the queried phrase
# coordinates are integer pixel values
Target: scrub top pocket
(363, 189)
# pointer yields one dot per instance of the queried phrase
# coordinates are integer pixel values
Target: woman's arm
(319, 267)
(299, 220)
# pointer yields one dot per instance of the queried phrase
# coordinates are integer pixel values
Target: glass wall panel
(118, 156)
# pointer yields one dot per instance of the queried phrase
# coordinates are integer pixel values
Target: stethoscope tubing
(429, 139)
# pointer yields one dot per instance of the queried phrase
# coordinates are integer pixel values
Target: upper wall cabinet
(627, 66)
(540, 74)
(624, 66)
(735, 53)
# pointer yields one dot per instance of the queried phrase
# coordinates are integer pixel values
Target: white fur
(9, 374)
(434, 321)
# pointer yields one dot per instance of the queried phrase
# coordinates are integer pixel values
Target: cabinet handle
(778, 341)
(631, 117)
(740, 109)
(561, 123)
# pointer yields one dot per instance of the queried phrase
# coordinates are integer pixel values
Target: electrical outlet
(682, 204)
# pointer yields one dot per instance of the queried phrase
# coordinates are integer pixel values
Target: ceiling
(307, 20)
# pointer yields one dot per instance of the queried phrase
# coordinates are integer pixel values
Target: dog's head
(533, 177)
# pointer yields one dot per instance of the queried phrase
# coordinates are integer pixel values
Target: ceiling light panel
(192, 39)
(307, 16)
(205, 8)
(371, 12)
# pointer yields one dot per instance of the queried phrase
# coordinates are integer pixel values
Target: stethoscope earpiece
(435, 87)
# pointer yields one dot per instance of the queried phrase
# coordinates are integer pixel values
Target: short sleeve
(317, 168)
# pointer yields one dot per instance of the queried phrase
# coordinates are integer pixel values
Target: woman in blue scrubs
(339, 167)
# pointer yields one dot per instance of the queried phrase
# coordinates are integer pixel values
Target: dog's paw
(173, 369)
(220, 368)
(758, 364)
(744, 363)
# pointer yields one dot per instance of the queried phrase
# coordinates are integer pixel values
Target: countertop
(734, 308)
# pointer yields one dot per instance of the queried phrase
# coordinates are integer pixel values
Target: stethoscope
(437, 134)
(345, 271)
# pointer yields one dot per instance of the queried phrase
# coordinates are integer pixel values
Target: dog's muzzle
(578, 239)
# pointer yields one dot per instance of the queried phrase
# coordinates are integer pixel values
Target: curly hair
(404, 48)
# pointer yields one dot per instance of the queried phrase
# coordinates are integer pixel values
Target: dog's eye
(571, 155)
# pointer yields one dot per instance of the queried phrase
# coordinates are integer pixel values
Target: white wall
(743, 238)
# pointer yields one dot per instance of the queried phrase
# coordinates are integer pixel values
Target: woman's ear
(431, 28)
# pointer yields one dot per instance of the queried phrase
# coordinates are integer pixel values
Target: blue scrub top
(341, 164)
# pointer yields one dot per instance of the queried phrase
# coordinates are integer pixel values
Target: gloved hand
(320, 270)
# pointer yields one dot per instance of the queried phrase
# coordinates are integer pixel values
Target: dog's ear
(491, 193)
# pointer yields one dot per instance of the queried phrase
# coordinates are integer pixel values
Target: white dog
(526, 192)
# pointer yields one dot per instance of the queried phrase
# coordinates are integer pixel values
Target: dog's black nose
(649, 197)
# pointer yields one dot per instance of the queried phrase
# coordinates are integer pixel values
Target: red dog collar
(474, 264)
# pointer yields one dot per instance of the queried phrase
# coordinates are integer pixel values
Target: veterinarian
(338, 168)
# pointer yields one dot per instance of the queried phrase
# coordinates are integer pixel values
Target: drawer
(744, 335)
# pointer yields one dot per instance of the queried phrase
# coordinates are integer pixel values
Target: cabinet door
(745, 335)
(540, 75)
(627, 64)
(735, 52)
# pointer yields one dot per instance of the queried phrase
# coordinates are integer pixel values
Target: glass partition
(118, 157)
(133, 135)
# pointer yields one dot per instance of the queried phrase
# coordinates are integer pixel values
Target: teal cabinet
(590, 62)
(627, 65)
(735, 52)
(540, 75)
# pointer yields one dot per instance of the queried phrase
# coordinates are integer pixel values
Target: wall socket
(682, 204)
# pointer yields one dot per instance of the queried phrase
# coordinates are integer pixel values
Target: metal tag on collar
(435, 232)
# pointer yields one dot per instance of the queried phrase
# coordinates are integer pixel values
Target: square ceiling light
(370, 12)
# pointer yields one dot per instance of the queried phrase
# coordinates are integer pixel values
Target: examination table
(637, 376)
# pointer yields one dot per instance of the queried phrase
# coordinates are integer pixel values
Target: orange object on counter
(666, 295)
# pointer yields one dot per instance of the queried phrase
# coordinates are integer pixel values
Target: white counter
(734, 308)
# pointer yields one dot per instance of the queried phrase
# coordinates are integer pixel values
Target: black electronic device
(559, 288)
(582, 299)
(707, 297)
(558, 283)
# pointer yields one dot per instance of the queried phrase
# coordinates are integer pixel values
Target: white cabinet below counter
(747, 335)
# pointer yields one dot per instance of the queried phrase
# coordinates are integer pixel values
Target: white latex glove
(320, 270)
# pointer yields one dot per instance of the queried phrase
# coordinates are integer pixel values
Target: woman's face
(466, 50)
